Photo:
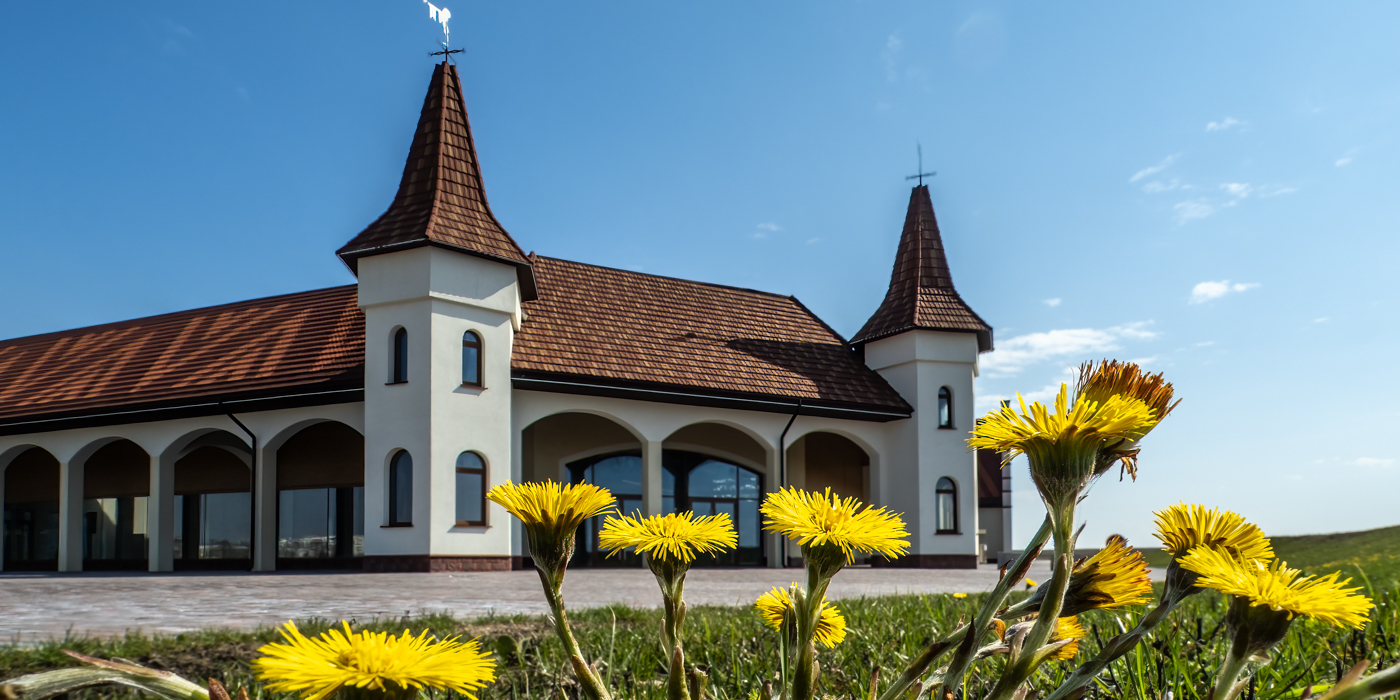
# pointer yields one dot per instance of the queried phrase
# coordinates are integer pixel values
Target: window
(471, 489)
(398, 360)
(471, 359)
(946, 501)
(401, 489)
(945, 407)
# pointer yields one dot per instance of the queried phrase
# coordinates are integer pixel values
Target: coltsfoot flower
(1182, 528)
(551, 513)
(1275, 586)
(674, 537)
(1101, 381)
(1115, 577)
(832, 529)
(374, 663)
(776, 605)
(1067, 629)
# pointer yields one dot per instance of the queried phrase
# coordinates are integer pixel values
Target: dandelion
(1100, 382)
(1115, 577)
(674, 537)
(776, 605)
(376, 664)
(1067, 629)
(551, 513)
(959, 595)
(1182, 528)
(832, 529)
(1279, 588)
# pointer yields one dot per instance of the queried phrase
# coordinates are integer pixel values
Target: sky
(1206, 188)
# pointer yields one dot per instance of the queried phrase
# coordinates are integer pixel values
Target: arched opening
(398, 357)
(945, 407)
(31, 512)
(116, 491)
(401, 489)
(213, 515)
(471, 359)
(946, 503)
(471, 490)
(321, 498)
(549, 442)
(821, 460)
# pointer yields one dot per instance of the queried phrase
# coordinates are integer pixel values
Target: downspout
(252, 488)
(782, 474)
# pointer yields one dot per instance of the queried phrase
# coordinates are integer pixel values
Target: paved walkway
(40, 606)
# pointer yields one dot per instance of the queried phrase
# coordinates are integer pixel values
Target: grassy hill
(1375, 552)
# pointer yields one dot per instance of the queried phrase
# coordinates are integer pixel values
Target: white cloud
(1239, 190)
(1206, 291)
(770, 227)
(1373, 462)
(1193, 209)
(1267, 191)
(1226, 123)
(1153, 170)
(1343, 162)
(1052, 303)
(810, 241)
(1205, 343)
(1158, 186)
(1014, 355)
(1321, 319)
(890, 56)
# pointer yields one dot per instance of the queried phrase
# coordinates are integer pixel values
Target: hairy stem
(1118, 646)
(592, 685)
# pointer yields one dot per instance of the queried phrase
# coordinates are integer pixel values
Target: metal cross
(920, 177)
(445, 52)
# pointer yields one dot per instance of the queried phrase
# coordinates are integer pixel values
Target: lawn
(739, 652)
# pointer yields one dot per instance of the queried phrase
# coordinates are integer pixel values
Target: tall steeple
(441, 199)
(921, 294)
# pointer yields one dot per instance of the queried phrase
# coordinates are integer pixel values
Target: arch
(116, 503)
(727, 437)
(471, 488)
(319, 480)
(473, 362)
(945, 408)
(398, 355)
(212, 509)
(821, 459)
(31, 511)
(400, 488)
(945, 516)
(552, 441)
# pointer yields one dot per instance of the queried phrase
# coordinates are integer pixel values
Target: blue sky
(1208, 188)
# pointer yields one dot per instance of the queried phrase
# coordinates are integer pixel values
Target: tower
(925, 341)
(440, 284)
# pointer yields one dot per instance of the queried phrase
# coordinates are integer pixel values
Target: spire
(441, 199)
(921, 295)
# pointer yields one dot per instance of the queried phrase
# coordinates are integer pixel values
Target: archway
(550, 442)
(116, 490)
(321, 498)
(213, 514)
(31, 521)
(821, 460)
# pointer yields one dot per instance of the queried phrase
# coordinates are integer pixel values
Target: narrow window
(471, 359)
(399, 362)
(945, 407)
(401, 489)
(471, 489)
(946, 501)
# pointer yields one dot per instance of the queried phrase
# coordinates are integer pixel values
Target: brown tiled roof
(626, 328)
(441, 198)
(921, 294)
(305, 340)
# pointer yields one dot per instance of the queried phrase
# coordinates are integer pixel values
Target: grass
(739, 652)
(1373, 554)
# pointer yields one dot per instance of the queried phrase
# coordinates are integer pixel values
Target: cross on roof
(921, 174)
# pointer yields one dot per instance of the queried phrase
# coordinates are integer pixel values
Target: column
(265, 510)
(773, 542)
(160, 514)
(70, 514)
(651, 477)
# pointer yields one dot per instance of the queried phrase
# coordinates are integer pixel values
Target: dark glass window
(399, 373)
(945, 407)
(471, 359)
(471, 489)
(324, 523)
(946, 501)
(401, 489)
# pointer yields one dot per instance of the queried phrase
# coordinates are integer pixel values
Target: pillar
(70, 514)
(773, 542)
(651, 477)
(265, 510)
(160, 514)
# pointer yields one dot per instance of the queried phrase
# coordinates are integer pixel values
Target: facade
(361, 426)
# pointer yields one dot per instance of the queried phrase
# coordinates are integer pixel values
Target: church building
(361, 426)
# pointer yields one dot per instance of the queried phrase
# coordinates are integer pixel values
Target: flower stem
(1118, 646)
(592, 685)
(1024, 663)
(1225, 687)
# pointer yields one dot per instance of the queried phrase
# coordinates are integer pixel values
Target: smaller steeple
(441, 199)
(921, 294)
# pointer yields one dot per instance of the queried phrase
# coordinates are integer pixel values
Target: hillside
(1377, 552)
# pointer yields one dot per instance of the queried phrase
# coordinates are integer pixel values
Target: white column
(773, 542)
(70, 515)
(517, 475)
(265, 510)
(651, 477)
(160, 515)
(2, 522)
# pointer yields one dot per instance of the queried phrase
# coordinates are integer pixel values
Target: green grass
(1376, 553)
(739, 652)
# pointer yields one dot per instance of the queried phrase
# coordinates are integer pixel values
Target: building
(362, 425)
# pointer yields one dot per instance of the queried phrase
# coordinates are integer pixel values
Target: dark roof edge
(323, 394)
(690, 396)
(525, 273)
(984, 337)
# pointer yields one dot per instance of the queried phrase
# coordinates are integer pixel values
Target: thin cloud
(1266, 191)
(1157, 186)
(890, 57)
(1193, 209)
(1225, 124)
(1153, 170)
(770, 227)
(1373, 462)
(1238, 190)
(811, 241)
(1052, 303)
(1015, 355)
(1321, 319)
(1343, 162)
(1208, 291)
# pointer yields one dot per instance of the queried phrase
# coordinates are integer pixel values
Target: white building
(360, 426)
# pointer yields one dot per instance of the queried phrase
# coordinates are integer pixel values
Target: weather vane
(441, 15)
(920, 177)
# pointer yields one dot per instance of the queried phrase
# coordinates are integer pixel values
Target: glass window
(399, 366)
(945, 407)
(401, 489)
(471, 359)
(947, 504)
(471, 489)
(310, 522)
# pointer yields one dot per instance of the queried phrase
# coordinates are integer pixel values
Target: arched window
(471, 359)
(946, 501)
(471, 489)
(945, 407)
(401, 489)
(398, 360)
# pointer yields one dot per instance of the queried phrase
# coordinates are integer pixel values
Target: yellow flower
(776, 604)
(551, 513)
(368, 660)
(1101, 381)
(676, 537)
(1279, 588)
(1067, 628)
(1182, 528)
(1115, 577)
(824, 522)
(1062, 446)
(959, 595)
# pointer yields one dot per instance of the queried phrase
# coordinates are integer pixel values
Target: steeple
(441, 199)
(921, 295)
